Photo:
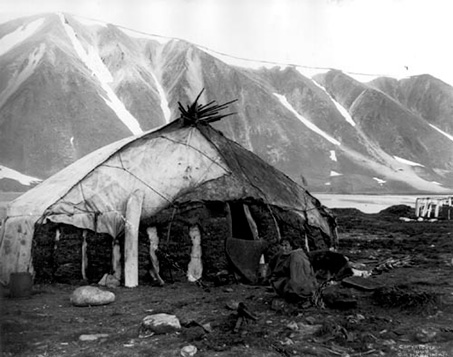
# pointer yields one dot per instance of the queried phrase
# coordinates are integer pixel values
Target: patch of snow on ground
(407, 162)
(20, 77)
(442, 132)
(163, 99)
(136, 34)
(17, 176)
(343, 111)
(379, 181)
(93, 61)
(307, 123)
(365, 203)
(333, 155)
(334, 173)
(14, 38)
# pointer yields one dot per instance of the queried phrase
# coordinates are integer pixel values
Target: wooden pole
(417, 207)
(133, 213)
(430, 208)
(84, 254)
(436, 209)
(424, 207)
(153, 246)
(195, 268)
(277, 228)
(251, 221)
(229, 220)
(116, 259)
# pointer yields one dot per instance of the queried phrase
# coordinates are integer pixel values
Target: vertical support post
(436, 209)
(430, 208)
(133, 213)
(153, 246)
(425, 207)
(116, 259)
(277, 228)
(417, 207)
(251, 222)
(229, 220)
(195, 268)
(84, 254)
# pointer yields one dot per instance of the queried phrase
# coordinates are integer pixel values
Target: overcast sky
(386, 37)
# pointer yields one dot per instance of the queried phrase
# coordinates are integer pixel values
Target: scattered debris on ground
(402, 305)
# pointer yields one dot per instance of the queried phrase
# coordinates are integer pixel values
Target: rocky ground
(405, 308)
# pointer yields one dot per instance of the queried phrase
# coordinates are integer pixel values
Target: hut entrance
(242, 222)
(244, 249)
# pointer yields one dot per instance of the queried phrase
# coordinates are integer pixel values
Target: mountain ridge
(86, 85)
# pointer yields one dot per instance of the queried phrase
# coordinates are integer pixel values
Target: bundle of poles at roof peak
(207, 113)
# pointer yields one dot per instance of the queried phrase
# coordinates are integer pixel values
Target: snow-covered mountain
(69, 86)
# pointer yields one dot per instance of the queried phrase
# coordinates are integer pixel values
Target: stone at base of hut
(159, 324)
(109, 281)
(91, 296)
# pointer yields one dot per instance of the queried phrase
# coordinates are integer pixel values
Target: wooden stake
(84, 254)
(153, 246)
(133, 213)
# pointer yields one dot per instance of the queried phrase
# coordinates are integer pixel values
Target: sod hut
(180, 201)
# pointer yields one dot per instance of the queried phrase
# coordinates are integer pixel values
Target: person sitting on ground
(291, 274)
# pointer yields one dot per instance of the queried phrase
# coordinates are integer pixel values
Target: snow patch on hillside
(343, 111)
(163, 99)
(379, 181)
(136, 34)
(93, 61)
(305, 121)
(21, 76)
(387, 170)
(19, 35)
(333, 155)
(17, 176)
(406, 162)
(442, 132)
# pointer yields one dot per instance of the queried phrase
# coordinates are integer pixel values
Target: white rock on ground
(91, 296)
(159, 324)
